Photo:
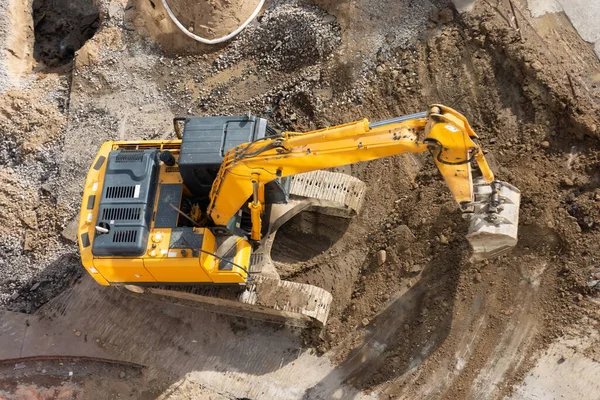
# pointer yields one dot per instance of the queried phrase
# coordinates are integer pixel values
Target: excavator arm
(442, 131)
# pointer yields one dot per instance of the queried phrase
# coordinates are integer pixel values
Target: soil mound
(287, 38)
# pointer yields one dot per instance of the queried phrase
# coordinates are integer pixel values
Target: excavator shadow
(403, 335)
(170, 339)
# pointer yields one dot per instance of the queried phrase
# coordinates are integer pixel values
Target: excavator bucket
(495, 220)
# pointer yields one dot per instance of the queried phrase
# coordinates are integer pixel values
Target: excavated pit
(61, 28)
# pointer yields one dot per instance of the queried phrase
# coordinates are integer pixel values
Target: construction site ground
(427, 322)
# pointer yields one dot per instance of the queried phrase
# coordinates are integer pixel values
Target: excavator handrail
(397, 120)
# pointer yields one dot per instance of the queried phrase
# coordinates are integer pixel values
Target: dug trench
(61, 28)
(426, 320)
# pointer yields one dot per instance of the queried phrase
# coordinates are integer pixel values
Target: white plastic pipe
(217, 40)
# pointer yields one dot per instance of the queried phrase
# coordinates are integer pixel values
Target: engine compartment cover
(126, 205)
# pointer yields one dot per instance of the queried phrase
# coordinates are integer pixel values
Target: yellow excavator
(195, 218)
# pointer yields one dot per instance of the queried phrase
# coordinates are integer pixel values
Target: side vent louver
(130, 156)
(128, 236)
(120, 192)
(121, 214)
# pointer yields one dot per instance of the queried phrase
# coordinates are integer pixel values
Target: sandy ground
(212, 19)
(428, 323)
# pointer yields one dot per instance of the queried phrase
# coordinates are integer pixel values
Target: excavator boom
(442, 131)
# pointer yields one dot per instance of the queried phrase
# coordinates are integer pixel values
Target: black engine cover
(127, 203)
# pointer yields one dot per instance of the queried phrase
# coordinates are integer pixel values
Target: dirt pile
(286, 38)
(534, 128)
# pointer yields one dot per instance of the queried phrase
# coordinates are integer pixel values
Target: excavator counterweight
(195, 218)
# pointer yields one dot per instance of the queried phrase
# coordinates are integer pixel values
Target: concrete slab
(244, 358)
(583, 14)
(12, 334)
(563, 372)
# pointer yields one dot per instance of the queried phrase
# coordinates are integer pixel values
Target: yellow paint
(445, 133)
(87, 218)
(235, 275)
(129, 270)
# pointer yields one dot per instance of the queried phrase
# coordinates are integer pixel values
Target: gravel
(5, 26)
(286, 38)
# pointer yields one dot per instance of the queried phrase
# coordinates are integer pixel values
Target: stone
(365, 322)
(545, 144)
(35, 286)
(381, 257)
(29, 217)
(443, 239)
(29, 241)
(537, 66)
(562, 359)
(122, 374)
(446, 15)
(14, 296)
(568, 182)
(70, 230)
(380, 69)
(47, 188)
(477, 278)
(414, 268)
(328, 19)
(77, 333)
(403, 232)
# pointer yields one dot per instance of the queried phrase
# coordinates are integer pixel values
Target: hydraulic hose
(217, 40)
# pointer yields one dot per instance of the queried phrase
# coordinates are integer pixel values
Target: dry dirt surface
(426, 323)
(55, 378)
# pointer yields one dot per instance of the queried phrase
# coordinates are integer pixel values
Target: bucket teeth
(494, 233)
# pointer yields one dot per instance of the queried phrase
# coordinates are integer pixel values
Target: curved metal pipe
(217, 40)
